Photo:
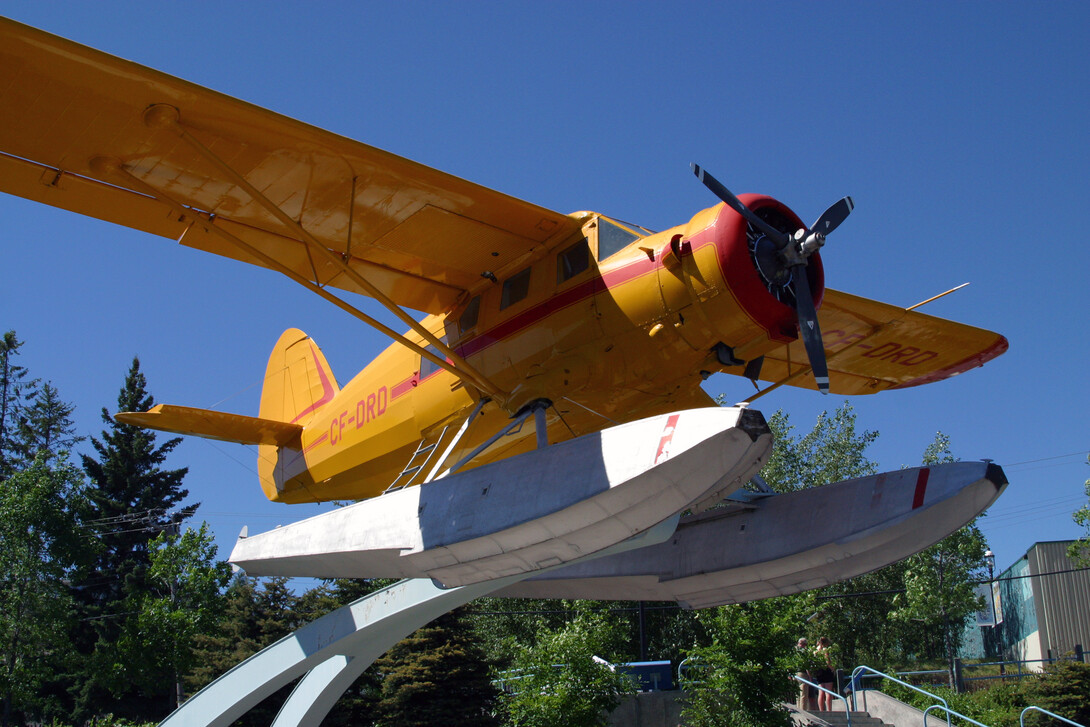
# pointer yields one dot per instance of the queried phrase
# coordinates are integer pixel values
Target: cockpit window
(572, 261)
(612, 238)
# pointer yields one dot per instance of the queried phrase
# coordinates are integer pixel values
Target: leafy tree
(42, 542)
(558, 681)
(437, 675)
(184, 600)
(832, 451)
(15, 389)
(1079, 551)
(133, 499)
(745, 675)
(940, 581)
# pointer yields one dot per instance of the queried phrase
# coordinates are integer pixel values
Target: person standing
(806, 692)
(825, 676)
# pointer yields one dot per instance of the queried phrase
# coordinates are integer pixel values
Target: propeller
(788, 258)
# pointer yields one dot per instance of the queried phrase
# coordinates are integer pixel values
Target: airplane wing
(872, 346)
(73, 116)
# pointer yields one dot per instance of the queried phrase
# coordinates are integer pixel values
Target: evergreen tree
(15, 390)
(45, 427)
(133, 499)
(437, 675)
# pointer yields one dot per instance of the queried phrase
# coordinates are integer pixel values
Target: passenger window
(612, 238)
(427, 366)
(468, 318)
(515, 288)
(572, 261)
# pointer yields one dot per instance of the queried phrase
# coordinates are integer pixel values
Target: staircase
(837, 718)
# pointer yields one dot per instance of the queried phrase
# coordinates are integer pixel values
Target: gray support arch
(336, 648)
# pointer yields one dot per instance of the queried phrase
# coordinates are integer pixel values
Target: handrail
(952, 712)
(1022, 717)
(847, 710)
(859, 669)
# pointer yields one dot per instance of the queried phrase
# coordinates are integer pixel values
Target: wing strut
(466, 373)
(164, 116)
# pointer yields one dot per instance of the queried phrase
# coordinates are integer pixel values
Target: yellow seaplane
(539, 327)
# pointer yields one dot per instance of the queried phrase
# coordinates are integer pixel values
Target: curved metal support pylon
(335, 649)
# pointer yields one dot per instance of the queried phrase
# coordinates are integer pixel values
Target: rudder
(298, 380)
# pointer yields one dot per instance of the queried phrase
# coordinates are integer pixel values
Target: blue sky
(958, 128)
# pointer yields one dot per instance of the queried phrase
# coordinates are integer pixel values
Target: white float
(526, 513)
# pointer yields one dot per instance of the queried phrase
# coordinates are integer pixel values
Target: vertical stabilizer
(298, 380)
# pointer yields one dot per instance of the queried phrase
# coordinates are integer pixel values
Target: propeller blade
(736, 204)
(831, 218)
(809, 328)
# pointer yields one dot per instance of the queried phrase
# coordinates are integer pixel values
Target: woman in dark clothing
(825, 675)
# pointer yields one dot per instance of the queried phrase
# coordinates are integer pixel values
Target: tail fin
(298, 380)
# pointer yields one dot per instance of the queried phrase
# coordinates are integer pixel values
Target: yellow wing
(872, 346)
(95, 134)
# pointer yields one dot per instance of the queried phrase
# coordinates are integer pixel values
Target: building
(1042, 606)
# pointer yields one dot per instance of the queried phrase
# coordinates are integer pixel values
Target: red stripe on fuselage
(565, 299)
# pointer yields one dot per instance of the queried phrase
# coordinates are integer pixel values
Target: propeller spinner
(791, 254)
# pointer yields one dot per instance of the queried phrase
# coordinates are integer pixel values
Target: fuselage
(614, 324)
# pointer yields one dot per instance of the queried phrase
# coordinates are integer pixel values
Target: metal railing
(1022, 717)
(820, 688)
(950, 713)
(859, 670)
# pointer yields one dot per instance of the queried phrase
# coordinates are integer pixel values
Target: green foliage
(832, 451)
(556, 680)
(940, 581)
(45, 427)
(1063, 688)
(744, 676)
(437, 675)
(133, 499)
(1079, 551)
(15, 390)
(42, 543)
(156, 646)
(997, 705)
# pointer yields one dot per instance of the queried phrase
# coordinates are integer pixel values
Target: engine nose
(754, 270)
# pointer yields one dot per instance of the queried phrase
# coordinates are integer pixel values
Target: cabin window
(515, 288)
(427, 366)
(572, 261)
(612, 238)
(468, 318)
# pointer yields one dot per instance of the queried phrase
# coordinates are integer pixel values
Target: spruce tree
(133, 499)
(437, 675)
(15, 389)
(46, 428)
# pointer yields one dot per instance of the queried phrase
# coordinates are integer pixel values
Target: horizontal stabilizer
(215, 425)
